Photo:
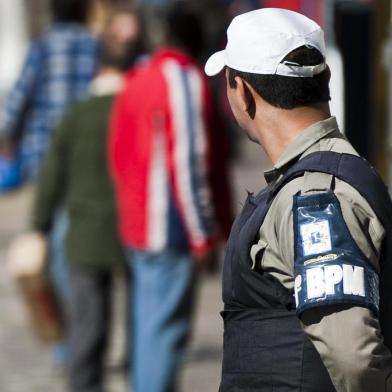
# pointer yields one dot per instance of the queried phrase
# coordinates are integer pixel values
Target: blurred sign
(311, 8)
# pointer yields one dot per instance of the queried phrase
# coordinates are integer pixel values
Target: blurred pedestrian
(160, 156)
(57, 71)
(75, 172)
(58, 68)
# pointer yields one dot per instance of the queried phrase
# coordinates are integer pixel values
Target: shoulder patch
(329, 267)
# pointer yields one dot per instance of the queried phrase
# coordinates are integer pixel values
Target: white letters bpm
(322, 281)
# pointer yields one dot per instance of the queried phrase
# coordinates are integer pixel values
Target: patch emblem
(316, 237)
(329, 267)
(318, 259)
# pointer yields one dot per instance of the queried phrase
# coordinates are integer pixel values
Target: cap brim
(215, 63)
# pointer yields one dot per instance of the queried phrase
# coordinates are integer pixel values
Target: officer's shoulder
(355, 208)
(308, 183)
(318, 183)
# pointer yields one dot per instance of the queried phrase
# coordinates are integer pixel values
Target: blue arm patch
(329, 267)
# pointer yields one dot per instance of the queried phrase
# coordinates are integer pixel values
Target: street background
(27, 366)
(359, 55)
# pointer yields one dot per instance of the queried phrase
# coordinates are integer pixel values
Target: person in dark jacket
(57, 71)
(75, 173)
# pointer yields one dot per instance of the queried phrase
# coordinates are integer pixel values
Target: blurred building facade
(13, 41)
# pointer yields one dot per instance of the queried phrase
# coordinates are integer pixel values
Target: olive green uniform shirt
(348, 338)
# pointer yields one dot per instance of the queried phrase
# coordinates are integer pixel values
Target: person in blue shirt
(57, 71)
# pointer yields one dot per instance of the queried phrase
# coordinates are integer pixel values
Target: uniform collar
(306, 139)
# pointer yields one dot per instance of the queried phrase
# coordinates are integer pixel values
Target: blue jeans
(162, 306)
(58, 261)
(59, 274)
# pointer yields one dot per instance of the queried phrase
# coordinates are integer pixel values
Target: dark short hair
(185, 27)
(120, 56)
(70, 10)
(288, 92)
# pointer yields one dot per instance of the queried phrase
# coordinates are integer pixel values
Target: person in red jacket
(165, 169)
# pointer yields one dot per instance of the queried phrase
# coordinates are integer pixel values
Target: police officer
(307, 277)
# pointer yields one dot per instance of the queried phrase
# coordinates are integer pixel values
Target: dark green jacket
(75, 173)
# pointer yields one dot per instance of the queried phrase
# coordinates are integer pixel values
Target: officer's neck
(277, 128)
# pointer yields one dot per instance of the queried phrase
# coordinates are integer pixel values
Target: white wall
(334, 60)
(13, 41)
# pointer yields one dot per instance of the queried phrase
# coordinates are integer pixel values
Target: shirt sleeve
(346, 335)
(53, 178)
(17, 102)
(189, 154)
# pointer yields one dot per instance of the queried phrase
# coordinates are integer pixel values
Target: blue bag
(10, 173)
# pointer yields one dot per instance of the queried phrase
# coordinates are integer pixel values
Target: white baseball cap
(258, 41)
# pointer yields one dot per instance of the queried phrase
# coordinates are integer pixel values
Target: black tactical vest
(265, 348)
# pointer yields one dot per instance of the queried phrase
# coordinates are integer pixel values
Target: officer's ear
(245, 95)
